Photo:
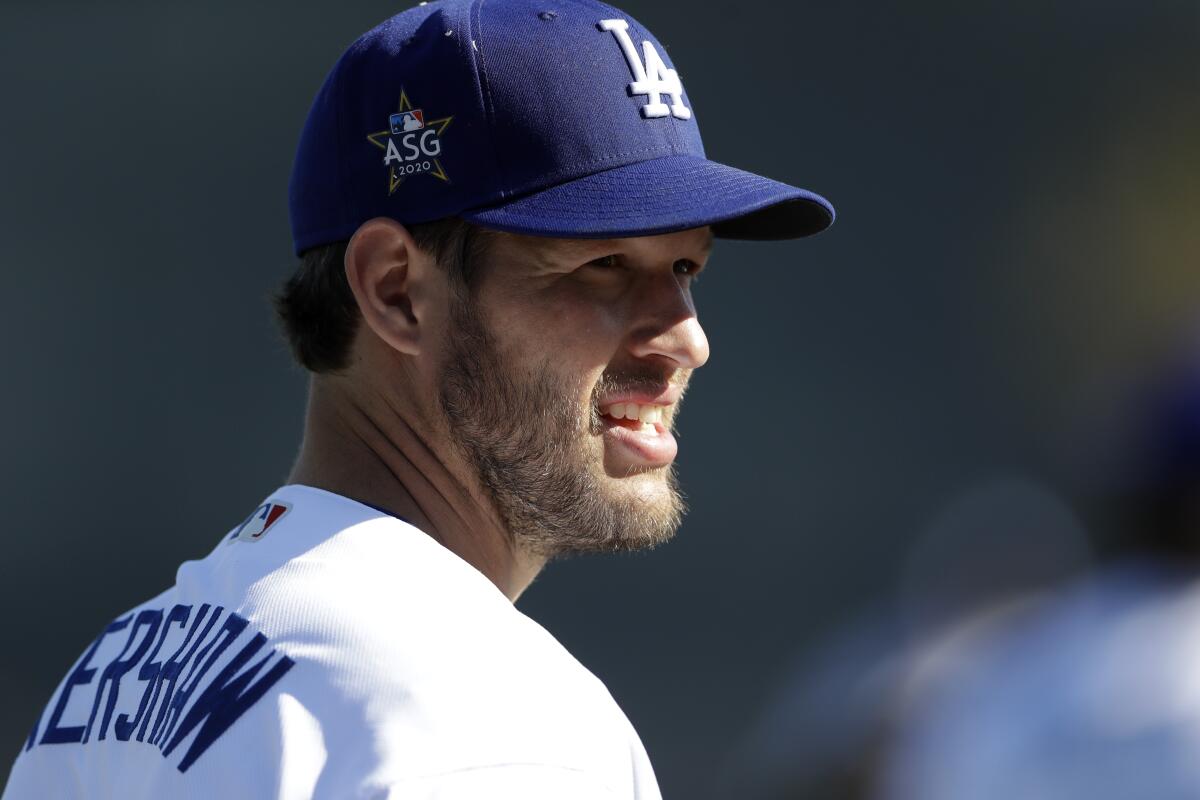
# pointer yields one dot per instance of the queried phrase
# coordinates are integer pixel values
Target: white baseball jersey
(327, 649)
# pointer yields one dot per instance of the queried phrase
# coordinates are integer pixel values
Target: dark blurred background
(1015, 253)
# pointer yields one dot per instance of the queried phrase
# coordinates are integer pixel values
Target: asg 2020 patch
(411, 144)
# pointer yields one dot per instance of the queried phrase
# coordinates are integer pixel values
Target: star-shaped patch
(409, 116)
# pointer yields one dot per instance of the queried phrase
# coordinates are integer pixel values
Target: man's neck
(368, 452)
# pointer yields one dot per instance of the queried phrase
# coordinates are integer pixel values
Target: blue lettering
(80, 676)
(123, 727)
(115, 671)
(232, 628)
(32, 739)
(170, 670)
(226, 699)
(180, 693)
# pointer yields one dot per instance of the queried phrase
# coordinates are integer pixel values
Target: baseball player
(500, 209)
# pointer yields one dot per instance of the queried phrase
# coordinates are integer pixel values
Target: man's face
(561, 381)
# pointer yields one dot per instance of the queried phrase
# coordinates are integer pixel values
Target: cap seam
(475, 28)
(606, 163)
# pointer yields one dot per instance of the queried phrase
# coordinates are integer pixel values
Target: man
(500, 209)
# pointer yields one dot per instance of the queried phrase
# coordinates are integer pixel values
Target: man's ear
(388, 275)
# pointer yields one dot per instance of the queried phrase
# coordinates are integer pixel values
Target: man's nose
(667, 327)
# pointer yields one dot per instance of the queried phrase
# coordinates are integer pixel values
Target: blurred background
(972, 395)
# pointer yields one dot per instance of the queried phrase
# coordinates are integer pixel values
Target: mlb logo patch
(404, 121)
(260, 521)
(411, 144)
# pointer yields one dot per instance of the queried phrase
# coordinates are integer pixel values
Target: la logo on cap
(652, 79)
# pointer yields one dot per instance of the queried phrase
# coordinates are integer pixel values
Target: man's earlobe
(379, 269)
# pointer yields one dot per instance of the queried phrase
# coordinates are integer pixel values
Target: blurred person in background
(1094, 691)
(1063, 666)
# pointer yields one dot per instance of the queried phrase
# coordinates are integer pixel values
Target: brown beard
(527, 438)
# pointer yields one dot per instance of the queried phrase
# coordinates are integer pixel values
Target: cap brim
(662, 195)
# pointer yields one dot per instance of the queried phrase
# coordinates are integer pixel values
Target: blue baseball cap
(560, 118)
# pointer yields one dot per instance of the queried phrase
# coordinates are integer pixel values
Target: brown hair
(317, 310)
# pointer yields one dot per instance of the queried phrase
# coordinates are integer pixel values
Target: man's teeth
(648, 415)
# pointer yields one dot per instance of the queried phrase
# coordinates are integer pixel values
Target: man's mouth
(644, 418)
(637, 435)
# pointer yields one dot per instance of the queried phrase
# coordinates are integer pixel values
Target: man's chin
(610, 515)
(646, 486)
(646, 508)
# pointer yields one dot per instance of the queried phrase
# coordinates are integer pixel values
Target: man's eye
(686, 266)
(604, 261)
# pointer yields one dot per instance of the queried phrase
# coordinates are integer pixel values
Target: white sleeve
(505, 782)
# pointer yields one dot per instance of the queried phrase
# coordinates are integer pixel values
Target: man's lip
(666, 397)
(657, 449)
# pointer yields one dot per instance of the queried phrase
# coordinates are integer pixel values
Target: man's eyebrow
(550, 248)
(550, 251)
(547, 244)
